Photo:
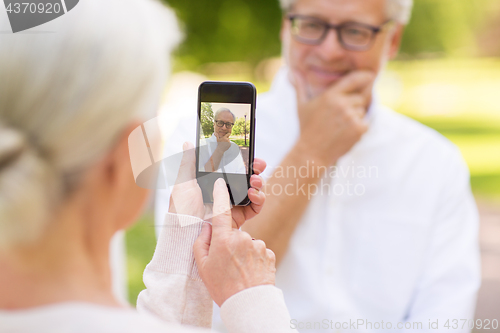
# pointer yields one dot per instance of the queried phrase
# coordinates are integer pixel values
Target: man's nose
(331, 48)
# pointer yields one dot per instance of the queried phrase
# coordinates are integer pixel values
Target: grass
(141, 242)
(240, 142)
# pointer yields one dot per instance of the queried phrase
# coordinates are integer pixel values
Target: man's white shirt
(231, 162)
(395, 236)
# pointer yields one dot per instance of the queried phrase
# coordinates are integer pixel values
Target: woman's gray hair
(67, 94)
(224, 110)
(397, 10)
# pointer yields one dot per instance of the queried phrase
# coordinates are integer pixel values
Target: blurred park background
(447, 76)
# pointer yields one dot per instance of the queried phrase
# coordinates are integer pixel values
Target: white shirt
(400, 246)
(231, 162)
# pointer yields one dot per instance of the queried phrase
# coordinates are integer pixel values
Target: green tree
(227, 30)
(444, 26)
(239, 127)
(207, 119)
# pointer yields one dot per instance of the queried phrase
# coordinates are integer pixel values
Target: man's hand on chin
(223, 142)
(333, 121)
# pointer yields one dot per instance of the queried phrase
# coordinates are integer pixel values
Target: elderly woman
(69, 98)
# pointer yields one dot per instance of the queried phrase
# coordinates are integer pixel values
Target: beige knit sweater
(176, 293)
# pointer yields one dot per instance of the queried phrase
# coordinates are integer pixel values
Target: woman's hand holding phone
(228, 259)
(187, 197)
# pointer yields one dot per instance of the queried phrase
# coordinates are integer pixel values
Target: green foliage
(207, 119)
(444, 26)
(228, 30)
(239, 127)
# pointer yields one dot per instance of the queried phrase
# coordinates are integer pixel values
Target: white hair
(66, 94)
(224, 110)
(398, 10)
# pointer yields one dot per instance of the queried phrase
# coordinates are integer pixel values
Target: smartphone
(225, 138)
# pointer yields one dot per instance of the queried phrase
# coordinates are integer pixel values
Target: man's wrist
(219, 150)
(302, 153)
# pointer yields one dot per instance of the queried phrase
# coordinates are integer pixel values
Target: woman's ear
(128, 198)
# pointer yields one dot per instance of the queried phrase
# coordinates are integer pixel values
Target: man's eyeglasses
(220, 123)
(352, 36)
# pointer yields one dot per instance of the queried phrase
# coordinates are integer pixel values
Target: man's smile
(327, 75)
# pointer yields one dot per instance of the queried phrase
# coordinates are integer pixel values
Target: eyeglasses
(220, 123)
(352, 36)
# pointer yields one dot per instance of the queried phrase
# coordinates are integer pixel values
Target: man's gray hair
(224, 110)
(398, 10)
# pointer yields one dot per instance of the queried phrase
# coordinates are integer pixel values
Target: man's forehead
(223, 113)
(338, 11)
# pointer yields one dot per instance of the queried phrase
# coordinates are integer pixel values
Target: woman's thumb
(202, 244)
(187, 169)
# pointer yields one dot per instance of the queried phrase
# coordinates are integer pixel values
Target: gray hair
(398, 10)
(67, 95)
(224, 110)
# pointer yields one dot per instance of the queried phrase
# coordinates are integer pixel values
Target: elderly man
(217, 153)
(370, 213)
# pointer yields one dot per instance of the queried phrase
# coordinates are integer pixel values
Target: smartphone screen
(225, 138)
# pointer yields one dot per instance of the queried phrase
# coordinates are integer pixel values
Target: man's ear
(284, 28)
(396, 38)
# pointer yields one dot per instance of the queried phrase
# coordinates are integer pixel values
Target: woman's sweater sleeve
(176, 294)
